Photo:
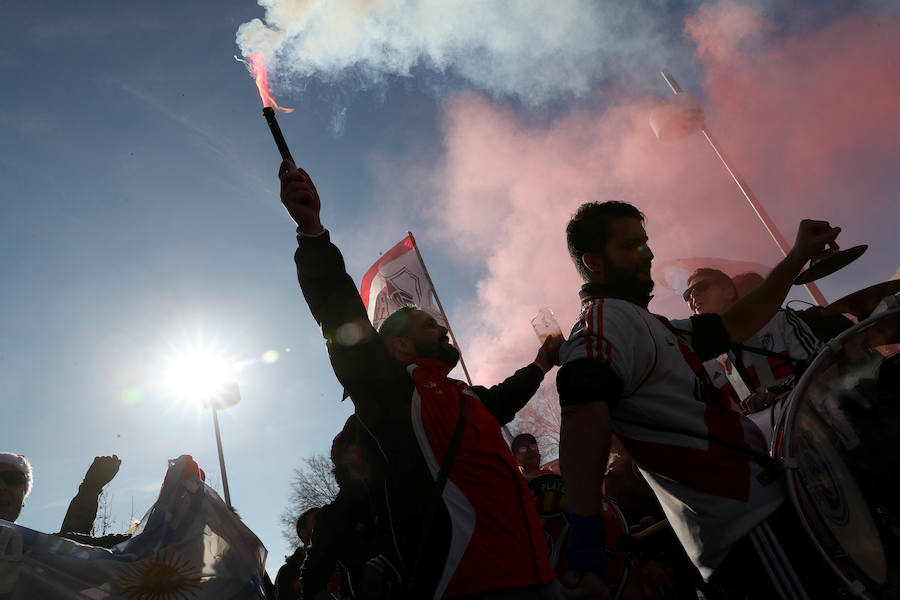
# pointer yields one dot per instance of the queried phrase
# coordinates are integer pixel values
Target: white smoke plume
(530, 50)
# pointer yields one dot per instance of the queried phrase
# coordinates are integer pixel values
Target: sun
(165, 576)
(198, 373)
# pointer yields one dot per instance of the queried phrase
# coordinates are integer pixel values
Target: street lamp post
(230, 396)
(680, 116)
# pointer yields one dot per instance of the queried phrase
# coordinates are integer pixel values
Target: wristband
(302, 234)
(587, 550)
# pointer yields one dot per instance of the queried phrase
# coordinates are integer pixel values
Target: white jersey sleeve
(613, 332)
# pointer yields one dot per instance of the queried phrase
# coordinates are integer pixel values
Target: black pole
(269, 113)
(221, 457)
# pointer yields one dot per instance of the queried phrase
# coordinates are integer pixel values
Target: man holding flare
(459, 519)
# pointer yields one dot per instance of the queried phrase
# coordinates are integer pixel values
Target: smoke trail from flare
(530, 50)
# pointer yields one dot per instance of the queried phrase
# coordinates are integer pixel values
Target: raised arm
(750, 313)
(360, 360)
(507, 398)
(83, 507)
(328, 289)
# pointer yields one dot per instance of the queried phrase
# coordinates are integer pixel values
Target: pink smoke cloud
(810, 121)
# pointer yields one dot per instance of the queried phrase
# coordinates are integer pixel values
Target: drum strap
(739, 376)
(763, 369)
(436, 499)
(783, 357)
(736, 379)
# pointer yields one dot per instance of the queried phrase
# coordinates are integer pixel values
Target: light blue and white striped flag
(189, 545)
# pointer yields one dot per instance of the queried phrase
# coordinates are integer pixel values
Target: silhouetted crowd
(668, 482)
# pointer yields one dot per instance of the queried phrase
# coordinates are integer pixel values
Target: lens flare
(133, 395)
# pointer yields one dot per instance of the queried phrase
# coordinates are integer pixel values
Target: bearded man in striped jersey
(628, 371)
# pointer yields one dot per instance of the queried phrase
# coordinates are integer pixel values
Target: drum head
(839, 440)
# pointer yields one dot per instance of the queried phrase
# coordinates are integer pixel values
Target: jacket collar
(607, 290)
(433, 366)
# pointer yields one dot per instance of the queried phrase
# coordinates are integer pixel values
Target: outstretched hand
(102, 470)
(548, 355)
(299, 197)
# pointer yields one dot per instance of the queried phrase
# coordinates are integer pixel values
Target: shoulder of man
(598, 315)
(609, 319)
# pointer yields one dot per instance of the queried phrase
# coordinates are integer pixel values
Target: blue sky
(140, 214)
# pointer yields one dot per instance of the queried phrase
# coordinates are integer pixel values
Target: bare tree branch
(313, 484)
(104, 520)
(541, 417)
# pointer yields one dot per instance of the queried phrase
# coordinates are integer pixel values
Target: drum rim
(782, 438)
(626, 564)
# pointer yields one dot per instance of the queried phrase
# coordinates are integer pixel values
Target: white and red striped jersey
(669, 416)
(785, 334)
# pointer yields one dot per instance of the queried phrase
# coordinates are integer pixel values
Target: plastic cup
(545, 324)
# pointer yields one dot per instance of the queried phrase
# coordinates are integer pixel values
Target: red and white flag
(396, 280)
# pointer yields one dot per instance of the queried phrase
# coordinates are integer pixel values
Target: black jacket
(381, 390)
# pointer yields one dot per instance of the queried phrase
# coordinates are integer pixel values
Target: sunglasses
(700, 286)
(12, 478)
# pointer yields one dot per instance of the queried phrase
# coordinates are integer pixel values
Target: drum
(550, 502)
(839, 442)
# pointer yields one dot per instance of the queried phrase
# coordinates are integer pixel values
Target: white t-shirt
(786, 334)
(712, 494)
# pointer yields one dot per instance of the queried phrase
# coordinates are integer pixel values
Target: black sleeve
(329, 291)
(333, 535)
(505, 399)
(359, 359)
(588, 380)
(709, 338)
(82, 510)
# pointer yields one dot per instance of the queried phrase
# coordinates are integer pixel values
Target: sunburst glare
(198, 373)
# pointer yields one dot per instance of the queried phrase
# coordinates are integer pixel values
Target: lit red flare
(258, 70)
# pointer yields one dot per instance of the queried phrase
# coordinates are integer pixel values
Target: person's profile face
(430, 339)
(706, 295)
(305, 532)
(627, 257)
(527, 454)
(12, 492)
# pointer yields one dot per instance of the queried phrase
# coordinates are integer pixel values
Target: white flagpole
(462, 363)
(755, 204)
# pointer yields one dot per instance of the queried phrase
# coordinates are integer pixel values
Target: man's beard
(626, 281)
(439, 351)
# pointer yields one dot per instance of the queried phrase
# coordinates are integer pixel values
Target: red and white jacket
(486, 535)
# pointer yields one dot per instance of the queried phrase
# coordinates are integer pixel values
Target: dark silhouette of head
(306, 522)
(608, 244)
(411, 333)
